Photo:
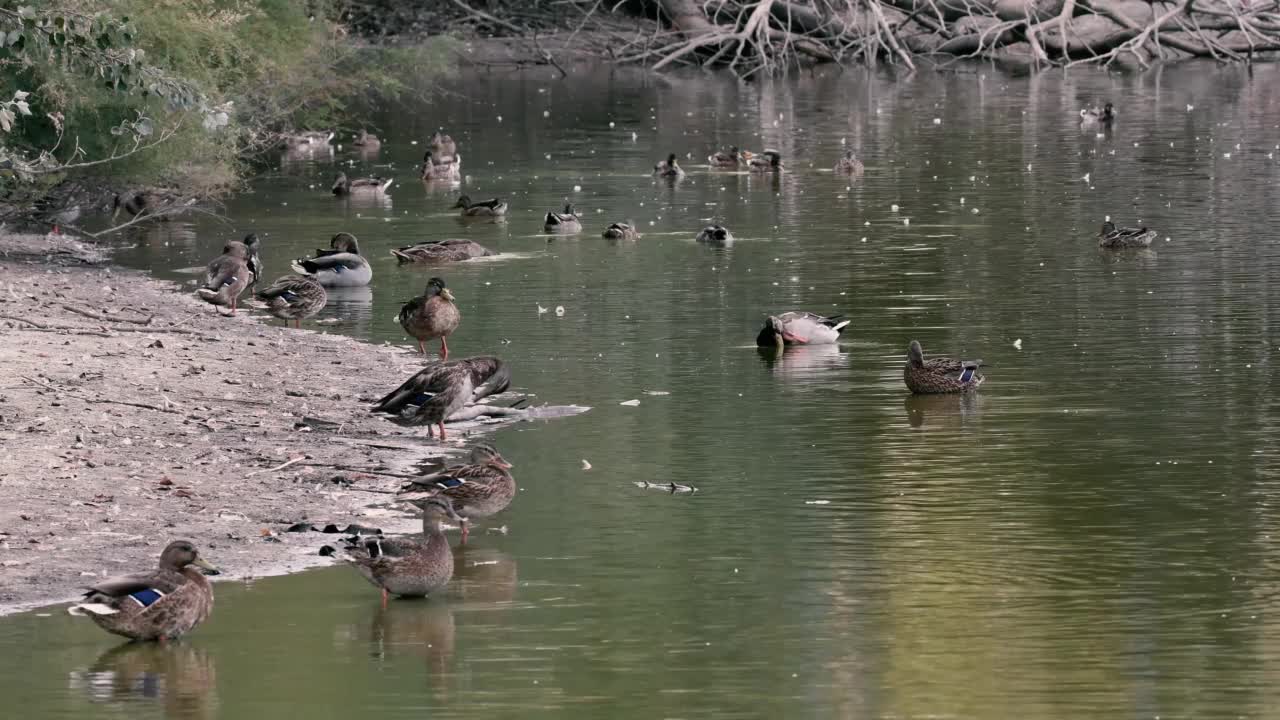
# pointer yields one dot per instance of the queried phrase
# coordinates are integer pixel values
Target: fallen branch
(281, 466)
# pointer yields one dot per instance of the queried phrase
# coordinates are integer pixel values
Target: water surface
(1090, 536)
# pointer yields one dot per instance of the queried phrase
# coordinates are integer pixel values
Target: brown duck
(433, 315)
(160, 605)
(939, 375)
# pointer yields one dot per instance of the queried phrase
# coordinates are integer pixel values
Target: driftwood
(770, 36)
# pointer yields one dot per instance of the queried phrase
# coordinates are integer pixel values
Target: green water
(1091, 536)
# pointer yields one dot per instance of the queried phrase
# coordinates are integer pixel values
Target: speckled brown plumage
(431, 315)
(939, 375)
(186, 598)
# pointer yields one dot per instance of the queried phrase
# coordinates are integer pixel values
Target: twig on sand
(98, 316)
(24, 320)
(281, 466)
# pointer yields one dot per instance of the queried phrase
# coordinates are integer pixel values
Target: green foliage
(178, 91)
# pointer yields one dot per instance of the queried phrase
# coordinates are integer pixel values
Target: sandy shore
(131, 414)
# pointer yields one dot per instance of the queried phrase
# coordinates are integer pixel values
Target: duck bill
(446, 294)
(205, 565)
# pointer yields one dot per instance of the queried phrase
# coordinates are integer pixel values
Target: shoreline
(132, 415)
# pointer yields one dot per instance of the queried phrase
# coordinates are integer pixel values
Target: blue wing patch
(966, 375)
(288, 296)
(146, 598)
(450, 482)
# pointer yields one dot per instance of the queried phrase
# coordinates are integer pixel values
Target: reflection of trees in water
(179, 677)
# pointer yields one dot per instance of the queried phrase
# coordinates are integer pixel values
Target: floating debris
(817, 502)
(671, 487)
(656, 392)
(559, 311)
(1017, 344)
(586, 465)
(629, 403)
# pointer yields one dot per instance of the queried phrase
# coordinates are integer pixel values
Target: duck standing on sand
(442, 388)
(431, 315)
(411, 566)
(343, 186)
(227, 276)
(482, 488)
(294, 297)
(340, 266)
(164, 604)
(939, 375)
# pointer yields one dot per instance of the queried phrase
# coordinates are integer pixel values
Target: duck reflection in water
(349, 307)
(425, 630)
(483, 575)
(181, 678)
(803, 361)
(941, 410)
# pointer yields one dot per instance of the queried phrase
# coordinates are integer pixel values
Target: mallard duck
(252, 259)
(294, 297)
(488, 208)
(366, 140)
(431, 315)
(227, 276)
(307, 138)
(160, 605)
(767, 161)
(443, 146)
(800, 328)
(1092, 116)
(715, 235)
(732, 159)
(565, 222)
(434, 168)
(409, 566)
(342, 185)
(57, 214)
(621, 231)
(1114, 238)
(442, 388)
(849, 164)
(668, 168)
(150, 201)
(939, 375)
(480, 489)
(341, 266)
(441, 251)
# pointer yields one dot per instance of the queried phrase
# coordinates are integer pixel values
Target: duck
(434, 168)
(767, 161)
(488, 208)
(307, 138)
(252, 260)
(668, 168)
(409, 566)
(849, 164)
(939, 375)
(367, 140)
(443, 146)
(715, 235)
(343, 186)
(1092, 116)
(57, 214)
(621, 231)
(431, 315)
(227, 277)
(565, 222)
(801, 328)
(163, 604)
(1114, 238)
(732, 159)
(482, 488)
(294, 297)
(144, 202)
(340, 266)
(442, 388)
(441, 251)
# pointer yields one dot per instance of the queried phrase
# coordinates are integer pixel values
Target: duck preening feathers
(442, 388)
